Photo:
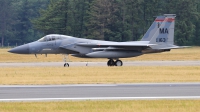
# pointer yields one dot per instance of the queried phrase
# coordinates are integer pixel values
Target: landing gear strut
(65, 60)
(111, 62)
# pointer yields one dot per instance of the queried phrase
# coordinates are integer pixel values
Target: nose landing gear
(111, 62)
(66, 64)
(65, 60)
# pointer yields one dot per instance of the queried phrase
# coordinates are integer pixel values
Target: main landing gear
(65, 60)
(111, 62)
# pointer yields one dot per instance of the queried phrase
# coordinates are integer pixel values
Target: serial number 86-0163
(161, 39)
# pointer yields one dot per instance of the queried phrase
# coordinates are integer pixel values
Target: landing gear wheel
(111, 63)
(118, 63)
(66, 64)
(65, 58)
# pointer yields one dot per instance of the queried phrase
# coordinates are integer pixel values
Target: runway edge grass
(96, 75)
(104, 106)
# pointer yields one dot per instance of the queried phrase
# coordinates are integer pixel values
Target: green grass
(104, 106)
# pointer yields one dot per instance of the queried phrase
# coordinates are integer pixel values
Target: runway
(125, 63)
(146, 91)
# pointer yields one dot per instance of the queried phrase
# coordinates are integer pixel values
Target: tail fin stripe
(167, 19)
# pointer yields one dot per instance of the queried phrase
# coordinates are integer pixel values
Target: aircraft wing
(109, 46)
(115, 44)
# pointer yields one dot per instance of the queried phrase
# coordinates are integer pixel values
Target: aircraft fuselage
(72, 45)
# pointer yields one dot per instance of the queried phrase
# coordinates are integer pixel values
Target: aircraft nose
(23, 49)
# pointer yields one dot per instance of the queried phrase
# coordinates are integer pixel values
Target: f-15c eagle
(158, 38)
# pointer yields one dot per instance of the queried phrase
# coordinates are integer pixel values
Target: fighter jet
(158, 38)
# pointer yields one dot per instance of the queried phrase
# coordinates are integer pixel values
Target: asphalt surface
(100, 92)
(133, 63)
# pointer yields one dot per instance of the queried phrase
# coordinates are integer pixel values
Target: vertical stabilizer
(164, 35)
(153, 28)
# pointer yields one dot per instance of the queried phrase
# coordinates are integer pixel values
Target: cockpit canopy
(53, 37)
(49, 38)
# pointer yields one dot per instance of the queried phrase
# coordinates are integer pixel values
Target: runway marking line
(101, 85)
(104, 98)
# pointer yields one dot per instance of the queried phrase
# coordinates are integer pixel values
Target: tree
(196, 39)
(135, 18)
(117, 20)
(15, 25)
(101, 16)
(186, 11)
(5, 10)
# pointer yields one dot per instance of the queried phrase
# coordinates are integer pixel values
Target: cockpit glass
(49, 38)
(42, 39)
(53, 38)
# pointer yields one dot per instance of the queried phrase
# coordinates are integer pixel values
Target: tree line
(23, 21)
(15, 21)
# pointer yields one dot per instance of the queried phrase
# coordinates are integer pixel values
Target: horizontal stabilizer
(175, 47)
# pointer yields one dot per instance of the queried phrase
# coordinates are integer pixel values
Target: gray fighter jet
(158, 38)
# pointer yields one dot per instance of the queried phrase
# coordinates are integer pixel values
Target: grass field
(104, 106)
(80, 75)
(87, 75)
(192, 53)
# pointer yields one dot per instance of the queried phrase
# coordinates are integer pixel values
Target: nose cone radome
(23, 49)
